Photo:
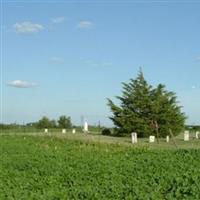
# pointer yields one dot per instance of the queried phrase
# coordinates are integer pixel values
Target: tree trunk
(170, 131)
(157, 132)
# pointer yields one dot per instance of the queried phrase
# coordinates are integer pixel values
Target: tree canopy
(64, 122)
(146, 110)
(45, 122)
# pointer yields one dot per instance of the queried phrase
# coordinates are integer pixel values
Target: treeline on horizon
(6, 126)
(63, 122)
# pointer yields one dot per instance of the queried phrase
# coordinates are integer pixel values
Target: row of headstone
(85, 129)
(151, 138)
(63, 131)
(187, 135)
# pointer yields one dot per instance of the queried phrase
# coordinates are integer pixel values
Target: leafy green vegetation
(52, 168)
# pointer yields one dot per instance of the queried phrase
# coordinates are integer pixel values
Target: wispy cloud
(27, 27)
(194, 87)
(21, 84)
(107, 64)
(58, 20)
(85, 25)
(96, 63)
(89, 61)
(56, 60)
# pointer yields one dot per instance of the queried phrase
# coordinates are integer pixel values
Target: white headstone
(73, 131)
(167, 138)
(85, 127)
(197, 135)
(46, 130)
(134, 137)
(151, 138)
(63, 130)
(186, 136)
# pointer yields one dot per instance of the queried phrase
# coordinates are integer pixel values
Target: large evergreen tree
(146, 110)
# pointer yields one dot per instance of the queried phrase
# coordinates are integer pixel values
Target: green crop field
(49, 167)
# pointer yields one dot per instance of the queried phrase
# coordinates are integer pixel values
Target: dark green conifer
(146, 110)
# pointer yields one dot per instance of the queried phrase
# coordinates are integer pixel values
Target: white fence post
(167, 138)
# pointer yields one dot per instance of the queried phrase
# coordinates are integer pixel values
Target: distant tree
(64, 122)
(53, 124)
(44, 123)
(106, 131)
(32, 124)
(146, 110)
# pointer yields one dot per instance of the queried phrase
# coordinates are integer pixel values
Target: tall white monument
(85, 129)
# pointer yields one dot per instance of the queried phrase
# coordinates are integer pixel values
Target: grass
(95, 137)
(95, 167)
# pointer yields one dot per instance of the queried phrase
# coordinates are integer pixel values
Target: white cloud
(27, 27)
(58, 20)
(194, 87)
(85, 25)
(57, 60)
(21, 84)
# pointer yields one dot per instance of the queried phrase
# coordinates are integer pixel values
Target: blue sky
(68, 57)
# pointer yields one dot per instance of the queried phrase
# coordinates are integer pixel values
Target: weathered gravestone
(197, 135)
(151, 138)
(167, 138)
(73, 131)
(134, 138)
(63, 130)
(186, 136)
(46, 130)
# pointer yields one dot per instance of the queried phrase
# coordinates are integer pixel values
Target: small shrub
(106, 131)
